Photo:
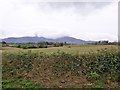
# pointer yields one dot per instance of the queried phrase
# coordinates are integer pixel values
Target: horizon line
(58, 37)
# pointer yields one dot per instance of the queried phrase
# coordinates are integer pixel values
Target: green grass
(81, 49)
(29, 84)
(20, 84)
(99, 84)
(8, 84)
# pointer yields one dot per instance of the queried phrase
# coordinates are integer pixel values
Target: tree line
(34, 45)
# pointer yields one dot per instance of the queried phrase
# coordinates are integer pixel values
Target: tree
(3, 42)
(61, 44)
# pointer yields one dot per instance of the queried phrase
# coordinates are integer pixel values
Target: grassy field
(81, 49)
(70, 66)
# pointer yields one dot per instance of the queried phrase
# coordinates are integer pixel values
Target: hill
(66, 39)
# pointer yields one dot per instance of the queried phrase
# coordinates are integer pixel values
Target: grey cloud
(77, 5)
(83, 8)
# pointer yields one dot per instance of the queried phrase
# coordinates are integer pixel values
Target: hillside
(67, 39)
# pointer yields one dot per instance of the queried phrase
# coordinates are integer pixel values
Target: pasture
(81, 49)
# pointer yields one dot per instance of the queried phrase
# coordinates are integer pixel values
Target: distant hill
(66, 39)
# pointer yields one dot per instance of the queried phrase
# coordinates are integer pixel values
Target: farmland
(81, 49)
(69, 66)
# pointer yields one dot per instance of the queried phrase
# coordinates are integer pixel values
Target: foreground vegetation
(32, 69)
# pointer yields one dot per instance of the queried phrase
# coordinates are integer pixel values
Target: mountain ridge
(27, 39)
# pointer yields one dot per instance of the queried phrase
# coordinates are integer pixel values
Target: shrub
(18, 46)
(94, 76)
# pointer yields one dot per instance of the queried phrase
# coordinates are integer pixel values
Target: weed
(99, 84)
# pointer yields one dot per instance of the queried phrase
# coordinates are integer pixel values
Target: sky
(82, 20)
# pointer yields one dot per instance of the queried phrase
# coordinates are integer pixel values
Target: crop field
(70, 66)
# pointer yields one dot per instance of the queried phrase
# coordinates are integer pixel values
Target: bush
(43, 46)
(18, 46)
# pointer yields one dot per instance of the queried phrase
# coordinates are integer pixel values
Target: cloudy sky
(83, 20)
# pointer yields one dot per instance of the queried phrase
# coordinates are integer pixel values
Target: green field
(70, 66)
(81, 49)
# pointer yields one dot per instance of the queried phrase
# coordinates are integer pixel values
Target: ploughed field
(70, 66)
